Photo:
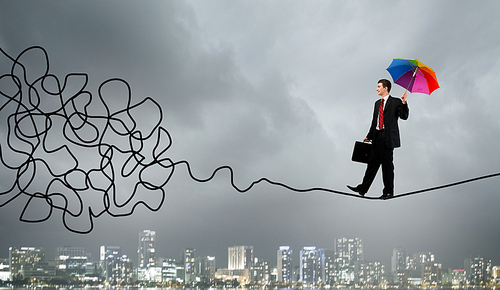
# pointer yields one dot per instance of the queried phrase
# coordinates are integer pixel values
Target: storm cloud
(283, 90)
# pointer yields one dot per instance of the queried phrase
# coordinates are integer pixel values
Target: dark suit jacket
(394, 109)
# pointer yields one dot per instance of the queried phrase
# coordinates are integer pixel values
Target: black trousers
(380, 155)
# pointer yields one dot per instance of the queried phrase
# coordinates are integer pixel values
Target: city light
(342, 266)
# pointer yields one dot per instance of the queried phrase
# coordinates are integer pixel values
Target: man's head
(383, 87)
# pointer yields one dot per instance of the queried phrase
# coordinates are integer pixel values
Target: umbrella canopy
(413, 75)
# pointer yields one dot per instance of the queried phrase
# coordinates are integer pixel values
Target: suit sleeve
(404, 111)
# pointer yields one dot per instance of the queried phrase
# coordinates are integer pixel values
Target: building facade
(478, 270)
(284, 264)
(71, 260)
(205, 269)
(4, 269)
(260, 272)
(348, 252)
(240, 257)
(398, 264)
(308, 265)
(147, 255)
(325, 266)
(24, 260)
(189, 265)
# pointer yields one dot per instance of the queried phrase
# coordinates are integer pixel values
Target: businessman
(384, 135)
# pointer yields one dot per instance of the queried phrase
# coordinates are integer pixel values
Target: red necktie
(381, 115)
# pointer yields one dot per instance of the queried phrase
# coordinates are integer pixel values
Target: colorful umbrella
(413, 75)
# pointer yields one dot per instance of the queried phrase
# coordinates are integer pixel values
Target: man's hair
(386, 84)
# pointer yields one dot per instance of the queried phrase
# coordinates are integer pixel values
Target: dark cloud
(283, 91)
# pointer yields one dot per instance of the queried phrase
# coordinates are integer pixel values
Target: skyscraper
(4, 269)
(260, 271)
(398, 264)
(109, 259)
(147, 249)
(210, 268)
(478, 269)
(105, 251)
(347, 253)
(308, 265)
(189, 262)
(284, 264)
(205, 268)
(169, 270)
(24, 259)
(418, 260)
(240, 257)
(71, 260)
(325, 265)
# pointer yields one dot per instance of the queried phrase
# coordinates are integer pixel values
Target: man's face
(382, 91)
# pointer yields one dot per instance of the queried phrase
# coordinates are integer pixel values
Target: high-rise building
(308, 261)
(125, 271)
(478, 269)
(189, 265)
(348, 252)
(146, 249)
(329, 268)
(260, 271)
(4, 269)
(325, 265)
(284, 265)
(71, 260)
(205, 268)
(116, 268)
(210, 268)
(240, 257)
(398, 264)
(455, 276)
(169, 272)
(495, 273)
(418, 260)
(69, 252)
(372, 273)
(417, 264)
(105, 251)
(24, 259)
(316, 266)
(431, 274)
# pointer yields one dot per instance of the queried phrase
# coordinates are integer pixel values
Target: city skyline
(270, 89)
(273, 262)
(344, 265)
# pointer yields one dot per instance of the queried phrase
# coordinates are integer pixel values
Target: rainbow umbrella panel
(413, 75)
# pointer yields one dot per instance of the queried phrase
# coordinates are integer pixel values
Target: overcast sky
(279, 89)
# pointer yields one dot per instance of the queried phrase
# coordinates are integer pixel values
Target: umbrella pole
(413, 77)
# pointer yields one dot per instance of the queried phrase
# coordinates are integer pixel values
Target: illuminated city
(342, 266)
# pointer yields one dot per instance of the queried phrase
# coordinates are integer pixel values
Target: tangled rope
(65, 157)
(67, 151)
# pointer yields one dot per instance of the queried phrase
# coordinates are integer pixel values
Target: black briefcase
(361, 152)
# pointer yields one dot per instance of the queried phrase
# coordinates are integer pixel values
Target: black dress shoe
(387, 196)
(356, 189)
